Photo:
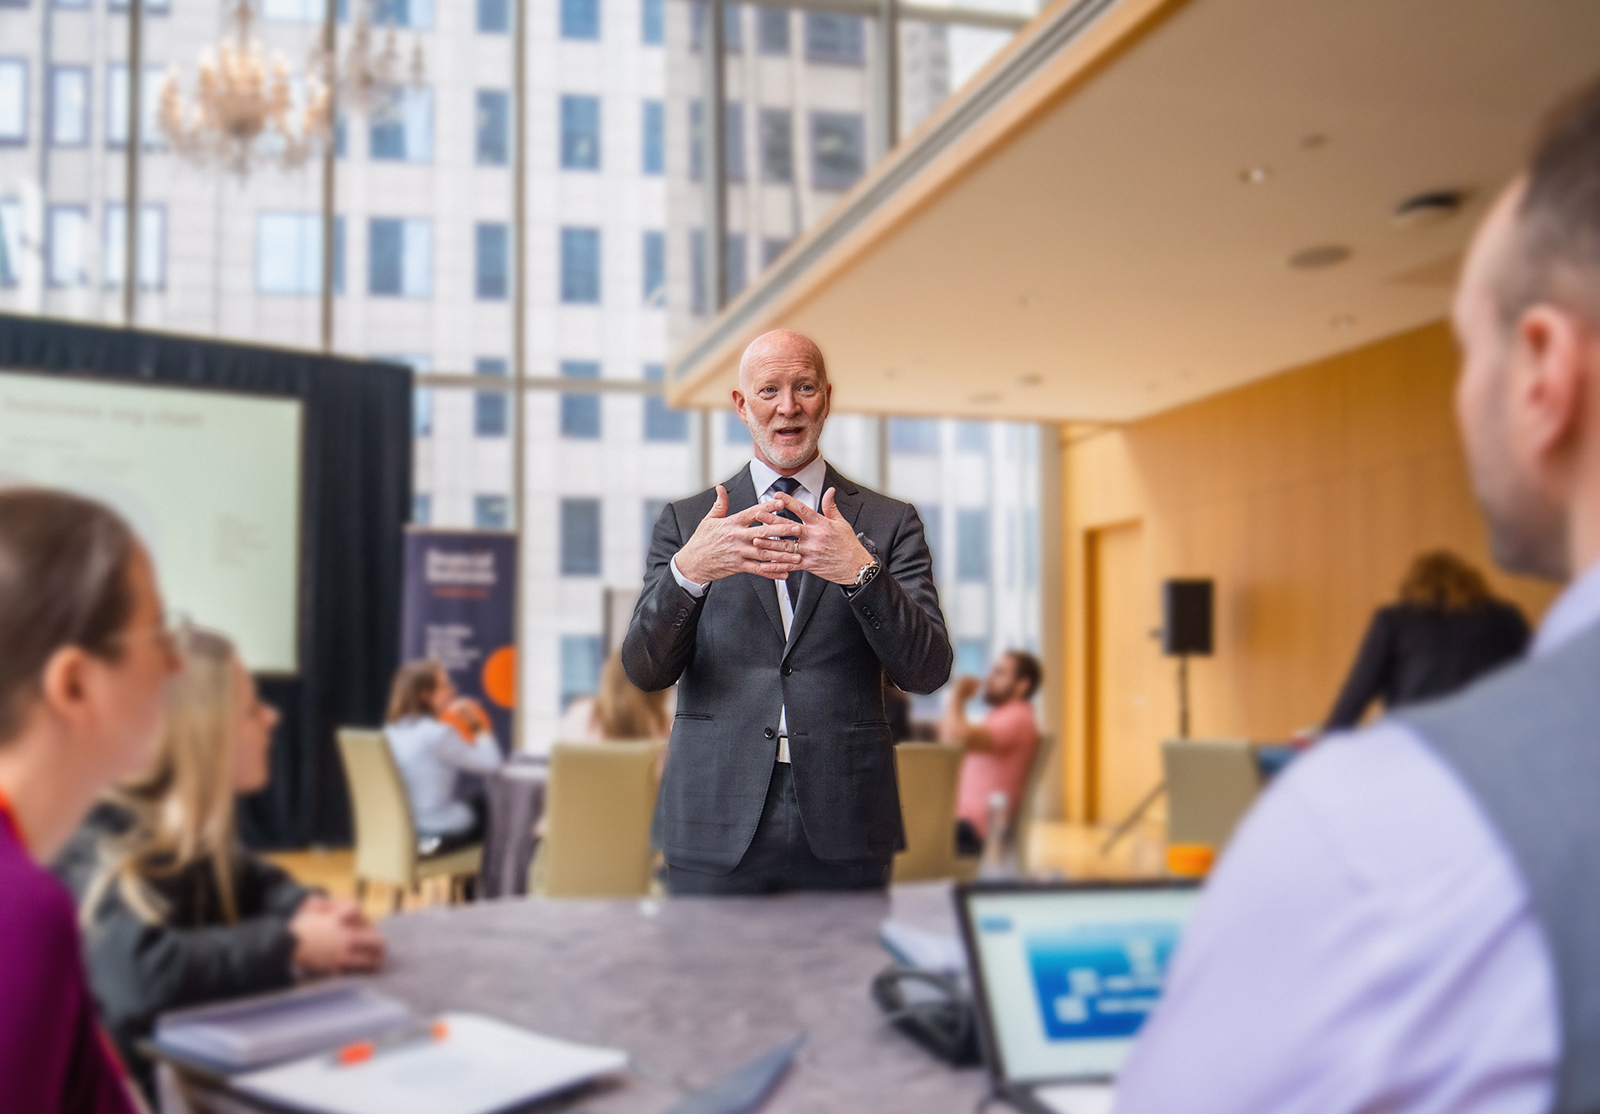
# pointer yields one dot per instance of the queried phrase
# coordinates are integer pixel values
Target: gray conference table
(691, 988)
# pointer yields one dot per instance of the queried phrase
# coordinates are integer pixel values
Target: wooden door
(1123, 755)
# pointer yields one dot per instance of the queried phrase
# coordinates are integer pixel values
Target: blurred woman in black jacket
(175, 912)
(1446, 631)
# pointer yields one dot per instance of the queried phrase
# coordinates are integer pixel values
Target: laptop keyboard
(1076, 1098)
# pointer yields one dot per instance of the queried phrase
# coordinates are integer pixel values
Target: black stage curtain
(356, 500)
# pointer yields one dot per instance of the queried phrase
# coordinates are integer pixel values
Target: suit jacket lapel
(741, 497)
(845, 497)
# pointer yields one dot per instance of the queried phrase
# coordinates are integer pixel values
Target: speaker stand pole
(1183, 696)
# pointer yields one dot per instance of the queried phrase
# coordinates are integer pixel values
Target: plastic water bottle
(994, 863)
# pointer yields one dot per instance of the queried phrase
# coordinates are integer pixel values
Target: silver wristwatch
(865, 574)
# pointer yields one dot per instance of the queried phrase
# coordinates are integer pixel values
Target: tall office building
(424, 269)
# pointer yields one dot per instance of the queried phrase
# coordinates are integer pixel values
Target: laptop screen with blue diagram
(1071, 974)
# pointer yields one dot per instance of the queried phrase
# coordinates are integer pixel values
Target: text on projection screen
(209, 480)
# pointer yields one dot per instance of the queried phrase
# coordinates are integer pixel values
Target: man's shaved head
(783, 396)
(782, 346)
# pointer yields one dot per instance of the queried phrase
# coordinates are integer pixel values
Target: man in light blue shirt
(1373, 940)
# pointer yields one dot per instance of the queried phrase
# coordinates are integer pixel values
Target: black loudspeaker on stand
(1186, 629)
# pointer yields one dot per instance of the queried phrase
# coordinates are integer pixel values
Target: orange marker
(362, 1051)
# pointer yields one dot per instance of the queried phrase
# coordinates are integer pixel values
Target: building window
(771, 250)
(734, 275)
(10, 242)
(151, 7)
(415, 14)
(117, 106)
(491, 512)
(274, 11)
(972, 545)
(69, 106)
(972, 657)
(580, 19)
(400, 257)
(580, 265)
(777, 145)
(697, 271)
(734, 431)
(66, 238)
(402, 126)
(494, 16)
(152, 245)
(580, 133)
(422, 412)
(914, 435)
(580, 537)
(732, 140)
(732, 27)
(581, 658)
(492, 252)
(837, 151)
(490, 409)
(772, 30)
(972, 437)
(654, 126)
(421, 509)
(289, 253)
(653, 510)
(652, 23)
(834, 38)
(661, 422)
(580, 413)
(14, 100)
(494, 127)
(655, 269)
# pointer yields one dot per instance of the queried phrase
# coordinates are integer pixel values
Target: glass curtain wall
(424, 264)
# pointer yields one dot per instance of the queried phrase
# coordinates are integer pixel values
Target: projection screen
(209, 479)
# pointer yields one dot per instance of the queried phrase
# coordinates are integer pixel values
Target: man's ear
(1549, 369)
(738, 405)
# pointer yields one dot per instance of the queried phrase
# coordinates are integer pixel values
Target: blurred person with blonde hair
(175, 912)
(1446, 631)
(621, 710)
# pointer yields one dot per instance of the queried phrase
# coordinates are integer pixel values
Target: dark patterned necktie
(789, 485)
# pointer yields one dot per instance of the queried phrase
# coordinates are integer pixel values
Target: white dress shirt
(430, 753)
(811, 478)
(1365, 944)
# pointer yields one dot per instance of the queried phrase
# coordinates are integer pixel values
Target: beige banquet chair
(929, 774)
(1026, 813)
(599, 802)
(386, 836)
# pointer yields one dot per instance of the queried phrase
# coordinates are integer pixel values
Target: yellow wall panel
(1304, 497)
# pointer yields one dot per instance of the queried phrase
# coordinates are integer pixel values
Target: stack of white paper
(480, 1066)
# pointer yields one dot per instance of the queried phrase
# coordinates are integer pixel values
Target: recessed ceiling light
(1255, 175)
(1343, 321)
(1025, 301)
(1323, 255)
(1030, 380)
(1313, 140)
(1428, 208)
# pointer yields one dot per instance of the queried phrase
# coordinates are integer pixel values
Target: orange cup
(1190, 860)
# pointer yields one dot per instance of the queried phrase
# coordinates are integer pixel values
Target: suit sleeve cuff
(695, 590)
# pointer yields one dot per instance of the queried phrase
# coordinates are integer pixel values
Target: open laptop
(1064, 975)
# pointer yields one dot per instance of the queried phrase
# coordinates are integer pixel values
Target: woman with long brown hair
(84, 653)
(1445, 632)
(175, 912)
(436, 734)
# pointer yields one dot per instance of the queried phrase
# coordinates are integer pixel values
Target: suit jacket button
(786, 670)
(770, 733)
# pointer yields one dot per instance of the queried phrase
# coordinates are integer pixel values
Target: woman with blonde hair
(620, 710)
(176, 913)
(1445, 632)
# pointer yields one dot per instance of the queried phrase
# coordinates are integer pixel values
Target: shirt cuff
(695, 590)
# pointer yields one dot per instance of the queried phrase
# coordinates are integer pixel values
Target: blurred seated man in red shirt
(1000, 749)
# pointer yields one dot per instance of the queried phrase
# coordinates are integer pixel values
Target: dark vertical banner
(460, 609)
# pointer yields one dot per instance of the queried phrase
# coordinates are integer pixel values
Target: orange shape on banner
(500, 676)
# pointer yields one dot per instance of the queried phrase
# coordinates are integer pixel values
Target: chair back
(1028, 808)
(599, 803)
(929, 774)
(1211, 784)
(386, 836)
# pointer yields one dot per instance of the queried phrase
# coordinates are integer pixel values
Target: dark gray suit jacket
(735, 673)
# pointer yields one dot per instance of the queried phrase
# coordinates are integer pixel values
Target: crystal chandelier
(244, 110)
(368, 74)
